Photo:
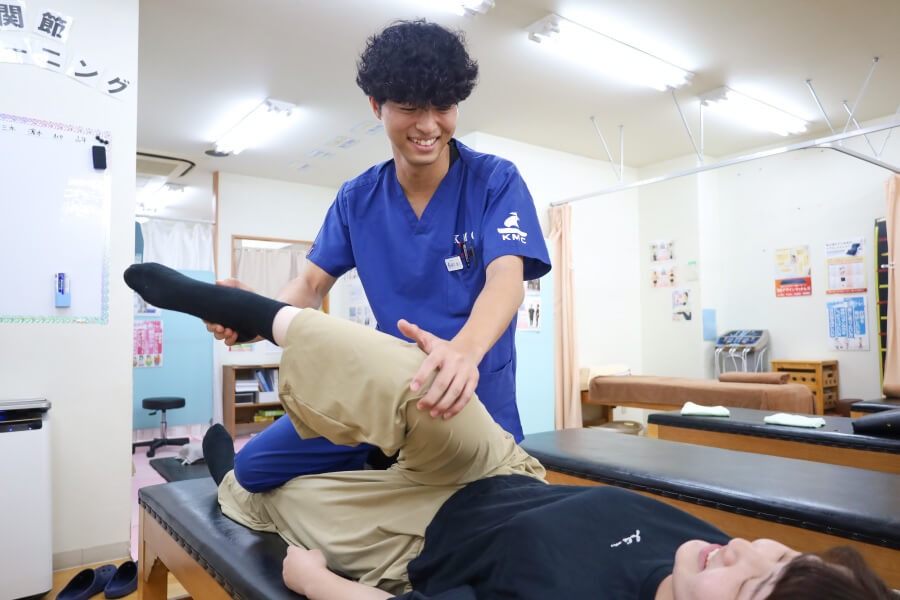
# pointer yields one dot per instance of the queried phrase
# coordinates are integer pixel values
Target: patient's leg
(245, 312)
(350, 384)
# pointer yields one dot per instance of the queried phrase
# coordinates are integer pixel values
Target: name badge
(454, 263)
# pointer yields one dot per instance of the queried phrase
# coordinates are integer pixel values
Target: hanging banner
(847, 328)
(792, 272)
(148, 344)
(845, 264)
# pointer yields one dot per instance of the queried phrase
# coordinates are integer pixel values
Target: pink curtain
(892, 359)
(568, 388)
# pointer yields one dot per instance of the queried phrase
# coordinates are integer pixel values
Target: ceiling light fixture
(603, 53)
(463, 8)
(751, 112)
(263, 123)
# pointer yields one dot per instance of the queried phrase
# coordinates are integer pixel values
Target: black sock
(218, 450)
(247, 313)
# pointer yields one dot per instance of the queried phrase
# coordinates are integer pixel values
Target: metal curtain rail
(816, 143)
(201, 221)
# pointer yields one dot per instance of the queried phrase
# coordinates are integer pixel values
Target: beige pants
(350, 384)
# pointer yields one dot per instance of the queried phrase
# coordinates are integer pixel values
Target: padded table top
(853, 503)
(838, 431)
(871, 406)
(246, 563)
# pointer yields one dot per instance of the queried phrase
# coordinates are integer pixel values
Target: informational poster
(662, 250)
(529, 318)
(792, 272)
(681, 305)
(358, 308)
(845, 263)
(663, 275)
(143, 309)
(847, 324)
(148, 344)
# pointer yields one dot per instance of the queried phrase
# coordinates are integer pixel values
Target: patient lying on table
(465, 512)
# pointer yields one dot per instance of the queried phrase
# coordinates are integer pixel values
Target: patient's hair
(417, 63)
(836, 574)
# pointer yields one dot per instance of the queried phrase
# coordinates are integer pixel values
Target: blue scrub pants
(279, 454)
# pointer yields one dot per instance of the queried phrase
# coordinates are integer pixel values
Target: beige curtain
(267, 270)
(567, 377)
(892, 359)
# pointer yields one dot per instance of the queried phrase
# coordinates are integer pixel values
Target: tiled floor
(145, 475)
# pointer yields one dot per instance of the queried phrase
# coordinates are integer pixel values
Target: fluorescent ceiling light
(603, 53)
(751, 112)
(264, 244)
(463, 8)
(263, 123)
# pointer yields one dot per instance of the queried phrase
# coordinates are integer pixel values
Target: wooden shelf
(238, 417)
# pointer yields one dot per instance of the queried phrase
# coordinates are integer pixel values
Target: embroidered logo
(510, 230)
(631, 539)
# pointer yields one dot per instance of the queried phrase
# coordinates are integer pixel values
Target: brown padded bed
(666, 393)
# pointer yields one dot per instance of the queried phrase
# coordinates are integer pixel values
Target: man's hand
(303, 569)
(224, 333)
(457, 369)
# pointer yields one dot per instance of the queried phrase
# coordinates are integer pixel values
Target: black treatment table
(745, 430)
(183, 531)
(809, 506)
(867, 407)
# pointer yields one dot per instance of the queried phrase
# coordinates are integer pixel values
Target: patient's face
(741, 570)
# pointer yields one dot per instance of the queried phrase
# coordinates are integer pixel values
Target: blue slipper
(124, 581)
(87, 583)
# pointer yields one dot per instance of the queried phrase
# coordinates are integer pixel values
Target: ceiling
(203, 64)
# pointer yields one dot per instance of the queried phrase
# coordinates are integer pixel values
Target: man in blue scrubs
(442, 238)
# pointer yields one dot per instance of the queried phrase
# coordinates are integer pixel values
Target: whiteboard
(54, 218)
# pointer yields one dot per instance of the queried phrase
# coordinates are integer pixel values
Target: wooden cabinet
(821, 377)
(241, 417)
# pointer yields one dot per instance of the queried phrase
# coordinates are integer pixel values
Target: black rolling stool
(162, 403)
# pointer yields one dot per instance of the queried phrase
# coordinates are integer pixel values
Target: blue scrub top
(402, 260)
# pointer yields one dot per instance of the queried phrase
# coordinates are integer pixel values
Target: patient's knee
(250, 476)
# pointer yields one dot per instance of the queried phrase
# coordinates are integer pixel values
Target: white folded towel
(691, 409)
(794, 420)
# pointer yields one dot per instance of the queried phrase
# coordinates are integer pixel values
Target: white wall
(808, 197)
(84, 370)
(258, 207)
(669, 211)
(604, 234)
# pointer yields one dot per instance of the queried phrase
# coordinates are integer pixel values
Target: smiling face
(741, 570)
(419, 136)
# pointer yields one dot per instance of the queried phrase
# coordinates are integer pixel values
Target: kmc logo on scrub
(510, 230)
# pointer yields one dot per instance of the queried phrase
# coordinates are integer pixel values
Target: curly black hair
(417, 63)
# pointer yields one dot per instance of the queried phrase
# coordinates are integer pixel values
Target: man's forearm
(494, 308)
(330, 586)
(299, 293)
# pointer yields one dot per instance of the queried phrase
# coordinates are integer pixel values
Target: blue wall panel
(534, 371)
(187, 369)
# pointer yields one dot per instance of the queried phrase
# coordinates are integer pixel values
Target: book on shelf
(264, 384)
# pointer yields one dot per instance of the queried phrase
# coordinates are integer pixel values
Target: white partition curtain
(179, 245)
(565, 345)
(892, 344)
(267, 270)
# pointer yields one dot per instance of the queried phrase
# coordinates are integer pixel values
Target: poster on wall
(847, 324)
(143, 309)
(663, 275)
(529, 318)
(845, 264)
(681, 305)
(662, 250)
(148, 344)
(792, 272)
(358, 307)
